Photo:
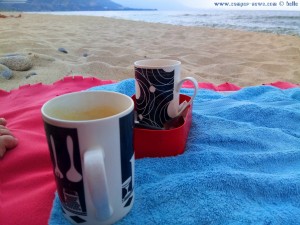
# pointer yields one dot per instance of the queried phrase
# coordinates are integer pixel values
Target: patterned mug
(157, 87)
(90, 138)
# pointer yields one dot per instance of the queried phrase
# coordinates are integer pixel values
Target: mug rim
(156, 63)
(49, 118)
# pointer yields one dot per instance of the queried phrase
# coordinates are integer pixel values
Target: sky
(203, 4)
(165, 4)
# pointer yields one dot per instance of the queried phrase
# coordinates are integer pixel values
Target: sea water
(279, 22)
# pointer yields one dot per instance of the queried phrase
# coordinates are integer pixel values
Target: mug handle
(185, 104)
(97, 183)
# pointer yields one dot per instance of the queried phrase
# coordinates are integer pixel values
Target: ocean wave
(190, 15)
(284, 17)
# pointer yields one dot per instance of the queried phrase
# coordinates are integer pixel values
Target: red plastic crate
(163, 143)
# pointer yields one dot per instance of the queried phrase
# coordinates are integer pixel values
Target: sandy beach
(106, 48)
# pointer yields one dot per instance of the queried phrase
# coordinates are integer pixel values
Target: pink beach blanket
(27, 185)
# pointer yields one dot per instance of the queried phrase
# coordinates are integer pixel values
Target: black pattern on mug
(127, 158)
(154, 95)
(65, 156)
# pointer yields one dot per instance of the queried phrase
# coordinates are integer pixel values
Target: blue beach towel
(241, 164)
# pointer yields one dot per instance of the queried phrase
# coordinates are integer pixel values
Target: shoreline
(170, 18)
(106, 48)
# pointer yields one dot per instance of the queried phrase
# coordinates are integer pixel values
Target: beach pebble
(5, 72)
(17, 62)
(31, 74)
(63, 50)
(85, 54)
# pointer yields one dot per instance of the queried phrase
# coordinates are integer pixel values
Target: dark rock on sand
(85, 55)
(31, 74)
(17, 62)
(5, 72)
(63, 50)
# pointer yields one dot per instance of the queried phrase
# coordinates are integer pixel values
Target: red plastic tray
(163, 143)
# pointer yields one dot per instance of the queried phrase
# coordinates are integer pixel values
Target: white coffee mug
(158, 86)
(90, 138)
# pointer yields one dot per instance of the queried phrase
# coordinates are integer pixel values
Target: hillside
(60, 5)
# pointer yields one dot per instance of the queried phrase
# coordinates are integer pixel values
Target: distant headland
(57, 5)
